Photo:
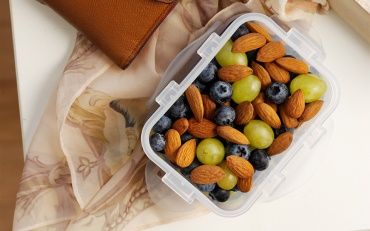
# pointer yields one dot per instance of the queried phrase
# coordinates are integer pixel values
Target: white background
(333, 194)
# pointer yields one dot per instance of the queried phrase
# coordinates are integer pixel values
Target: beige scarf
(85, 167)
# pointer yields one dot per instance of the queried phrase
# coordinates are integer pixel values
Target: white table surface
(335, 195)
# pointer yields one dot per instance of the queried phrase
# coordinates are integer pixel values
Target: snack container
(185, 69)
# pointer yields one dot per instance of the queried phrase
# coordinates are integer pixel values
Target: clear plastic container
(185, 69)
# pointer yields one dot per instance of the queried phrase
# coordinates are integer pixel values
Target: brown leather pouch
(120, 28)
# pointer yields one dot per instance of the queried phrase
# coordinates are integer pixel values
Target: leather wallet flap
(120, 28)
(166, 1)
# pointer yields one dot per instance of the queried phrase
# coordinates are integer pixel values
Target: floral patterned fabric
(85, 168)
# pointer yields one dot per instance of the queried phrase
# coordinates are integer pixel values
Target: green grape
(312, 86)
(210, 151)
(229, 181)
(226, 57)
(259, 134)
(246, 89)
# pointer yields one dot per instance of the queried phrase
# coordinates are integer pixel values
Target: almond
(259, 99)
(232, 135)
(234, 73)
(173, 143)
(181, 125)
(288, 121)
(293, 65)
(207, 174)
(254, 114)
(268, 114)
(280, 144)
(273, 105)
(262, 74)
(243, 113)
(277, 73)
(239, 166)
(270, 52)
(195, 101)
(186, 153)
(245, 184)
(295, 104)
(203, 129)
(209, 107)
(299, 123)
(248, 42)
(311, 110)
(227, 103)
(258, 28)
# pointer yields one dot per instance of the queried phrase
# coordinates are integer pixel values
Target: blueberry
(219, 194)
(206, 187)
(187, 170)
(239, 150)
(163, 124)
(277, 93)
(281, 130)
(220, 92)
(157, 142)
(242, 30)
(209, 73)
(259, 159)
(224, 115)
(179, 109)
(185, 137)
(201, 86)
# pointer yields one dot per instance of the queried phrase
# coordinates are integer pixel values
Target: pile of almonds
(270, 65)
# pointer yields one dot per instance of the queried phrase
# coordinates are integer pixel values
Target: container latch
(208, 47)
(273, 183)
(179, 186)
(167, 93)
(315, 136)
(306, 46)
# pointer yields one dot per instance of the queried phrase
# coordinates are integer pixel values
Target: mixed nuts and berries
(239, 112)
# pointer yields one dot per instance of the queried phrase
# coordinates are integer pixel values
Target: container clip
(303, 43)
(208, 47)
(315, 136)
(167, 94)
(179, 186)
(273, 184)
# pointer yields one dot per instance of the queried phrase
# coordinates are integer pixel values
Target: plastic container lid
(185, 69)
